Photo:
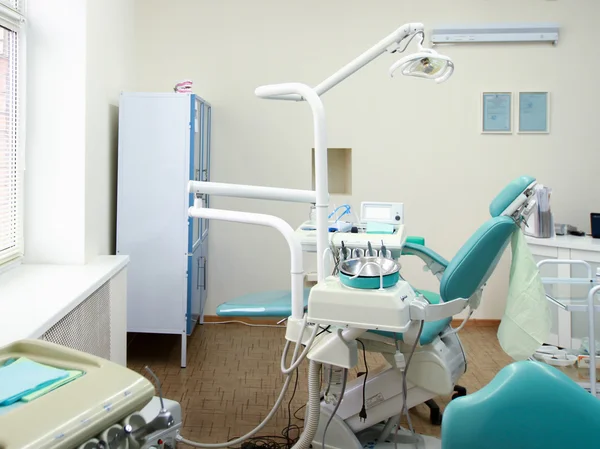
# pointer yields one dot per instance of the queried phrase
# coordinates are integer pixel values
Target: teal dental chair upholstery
(501, 205)
(476, 260)
(270, 304)
(528, 405)
(466, 273)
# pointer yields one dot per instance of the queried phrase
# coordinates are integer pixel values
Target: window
(11, 131)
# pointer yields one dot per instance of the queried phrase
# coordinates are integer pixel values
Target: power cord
(363, 411)
(296, 413)
(325, 329)
(337, 406)
(405, 387)
(286, 431)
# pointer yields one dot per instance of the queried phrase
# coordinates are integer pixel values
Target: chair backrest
(474, 263)
(527, 405)
(512, 196)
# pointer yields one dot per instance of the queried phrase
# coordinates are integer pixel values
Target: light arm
(390, 43)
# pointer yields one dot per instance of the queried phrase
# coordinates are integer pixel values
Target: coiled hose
(314, 407)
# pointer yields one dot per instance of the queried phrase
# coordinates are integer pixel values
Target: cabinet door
(196, 156)
(205, 165)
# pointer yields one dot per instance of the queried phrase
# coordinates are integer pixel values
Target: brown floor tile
(233, 378)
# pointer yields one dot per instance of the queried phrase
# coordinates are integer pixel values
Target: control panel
(391, 213)
(358, 241)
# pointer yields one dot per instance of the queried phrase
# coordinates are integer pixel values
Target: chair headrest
(474, 263)
(512, 197)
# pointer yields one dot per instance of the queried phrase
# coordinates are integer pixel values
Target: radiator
(97, 325)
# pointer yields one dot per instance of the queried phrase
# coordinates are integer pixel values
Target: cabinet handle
(204, 267)
(198, 274)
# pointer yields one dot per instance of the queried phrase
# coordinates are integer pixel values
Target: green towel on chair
(23, 377)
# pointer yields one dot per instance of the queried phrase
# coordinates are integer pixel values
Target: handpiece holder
(164, 420)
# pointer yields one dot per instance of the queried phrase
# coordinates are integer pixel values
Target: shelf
(339, 170)
(572, 304)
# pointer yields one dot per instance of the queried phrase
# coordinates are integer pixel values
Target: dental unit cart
(386, 218)
(562, 297)
(106, 407)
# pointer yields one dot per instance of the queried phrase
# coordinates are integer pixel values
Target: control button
(397, 217)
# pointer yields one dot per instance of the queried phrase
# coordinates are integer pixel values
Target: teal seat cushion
(475, 261)
(431, 329)
(415, 239)
(276, 303)
(509, 194)
(528, 405)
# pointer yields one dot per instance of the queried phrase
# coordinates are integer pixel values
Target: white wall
(110, 41)
(55, 124)
(412, 140)
(78, 60)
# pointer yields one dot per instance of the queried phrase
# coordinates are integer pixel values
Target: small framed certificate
(496, 113)
(534, 112)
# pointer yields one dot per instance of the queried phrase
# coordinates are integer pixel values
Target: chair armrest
(415, 239)
(436, 263)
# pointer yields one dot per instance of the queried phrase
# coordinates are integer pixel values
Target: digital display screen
(377, 213)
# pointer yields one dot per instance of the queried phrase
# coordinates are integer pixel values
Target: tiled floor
(233, 377)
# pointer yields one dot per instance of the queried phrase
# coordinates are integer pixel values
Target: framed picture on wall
(534, 112)
(496, 113)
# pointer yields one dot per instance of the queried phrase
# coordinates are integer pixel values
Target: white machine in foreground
(108, 407)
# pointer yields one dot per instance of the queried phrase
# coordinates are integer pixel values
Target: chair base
(340, 436)
(435, 414)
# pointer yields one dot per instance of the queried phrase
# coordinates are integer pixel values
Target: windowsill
(33, 297)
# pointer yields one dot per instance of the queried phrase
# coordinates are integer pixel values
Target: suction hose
(314, 407)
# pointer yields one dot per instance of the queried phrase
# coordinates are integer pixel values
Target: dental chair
(514, 200)
(439, 359)
(528, 405)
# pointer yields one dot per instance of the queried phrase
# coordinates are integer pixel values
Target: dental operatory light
(426, 63)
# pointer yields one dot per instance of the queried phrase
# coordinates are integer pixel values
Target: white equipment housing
(374, 211)
(307, 235)
(332, 303)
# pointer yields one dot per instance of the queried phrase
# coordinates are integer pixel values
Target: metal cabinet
(164, 141)
(568, 328)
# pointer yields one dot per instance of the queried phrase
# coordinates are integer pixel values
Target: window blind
(11, 223)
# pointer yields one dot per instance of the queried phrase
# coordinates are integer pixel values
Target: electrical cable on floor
(363, 411)
(286, 431)
(337, 406)
(271, 441)
(296, 412)
(295, 362)
(245, 324)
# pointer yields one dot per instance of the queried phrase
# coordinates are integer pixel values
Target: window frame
(12, 17)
